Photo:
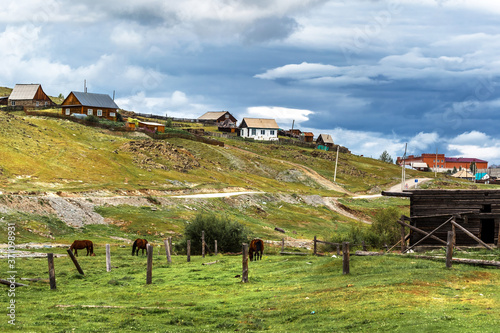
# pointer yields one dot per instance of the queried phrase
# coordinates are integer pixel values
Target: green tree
(385, 157)
(473, 167)
(229, 235)
(454, 170)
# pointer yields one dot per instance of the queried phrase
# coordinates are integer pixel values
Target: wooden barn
(217, 118)
(29, 96)
(307, 137)
(325, 140)
(477, 211)
(99, 105)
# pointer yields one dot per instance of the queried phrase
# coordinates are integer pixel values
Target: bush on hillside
(384, 230)
(229, 235)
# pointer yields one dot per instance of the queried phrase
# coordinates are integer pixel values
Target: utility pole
(435, 164)
(403, 169)
(336, 161)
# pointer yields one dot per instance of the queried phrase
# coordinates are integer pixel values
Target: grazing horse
(83, 244)
(139, 244)
(257, 246)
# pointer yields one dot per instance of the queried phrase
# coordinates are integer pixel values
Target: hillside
(60, 180)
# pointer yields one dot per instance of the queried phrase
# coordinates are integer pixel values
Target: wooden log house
(29, 96)
(478, 211)
(99, 105)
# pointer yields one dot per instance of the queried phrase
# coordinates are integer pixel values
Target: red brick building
(443, 163)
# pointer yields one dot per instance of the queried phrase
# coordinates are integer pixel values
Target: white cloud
(299, 71)
(423, 142)
(283, 116)
(177, 105)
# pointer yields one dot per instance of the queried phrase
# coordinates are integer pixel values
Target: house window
(89, 112)
(263, 132)
(37, 103)
(271, 132)
(254, 131)
(13, 103)
(68, 112)
(111, 114)
(99, 113)
(46, 103)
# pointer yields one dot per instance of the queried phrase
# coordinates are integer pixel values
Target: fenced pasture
(283, 294)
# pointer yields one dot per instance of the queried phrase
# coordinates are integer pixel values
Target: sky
(375, 75)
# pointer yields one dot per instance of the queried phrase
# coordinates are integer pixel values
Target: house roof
(308, 133)
(463, 160)
(463, 174)
(24, 91)
(150, 123)
(212, 115)
(481, 175)
(95, 100)
(326, 138)
(259, 123)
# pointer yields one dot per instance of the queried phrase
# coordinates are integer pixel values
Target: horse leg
(76, 252)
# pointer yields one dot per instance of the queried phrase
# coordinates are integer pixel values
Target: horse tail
(134, 246)
(91, 248)
(72, 246)
(259, 247)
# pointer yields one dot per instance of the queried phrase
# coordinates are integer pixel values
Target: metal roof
(464, 160)
(95, 100)
(259, 123)
(24, 91)
(150, 123)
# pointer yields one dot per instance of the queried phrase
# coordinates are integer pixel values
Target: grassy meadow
(284, 294)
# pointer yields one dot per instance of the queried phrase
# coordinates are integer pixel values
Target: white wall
(260, 134)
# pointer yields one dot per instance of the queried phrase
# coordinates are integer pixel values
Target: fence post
(72, 256)
(338, 249)
(167, 251)
(188, 250)
(403, 236)
(449, 249)
(149, 274)
(314, 245)
(345, 261)
(108, 258)
(215, 247)
(244, 274)
(203, 244)
(52, 273)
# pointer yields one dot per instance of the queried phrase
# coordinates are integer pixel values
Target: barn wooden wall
(485, 204)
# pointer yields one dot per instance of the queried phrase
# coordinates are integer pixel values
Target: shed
(478, 211)
(155, 127)
(99, 105)
(307, 137)
(29, 96)
(325, 140)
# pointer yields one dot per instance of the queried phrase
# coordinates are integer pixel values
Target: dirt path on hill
(329, 185)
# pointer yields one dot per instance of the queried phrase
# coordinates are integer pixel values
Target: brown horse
(139, 244)
(257, 246)
(83, 244)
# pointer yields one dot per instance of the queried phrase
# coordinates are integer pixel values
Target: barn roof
(259, 123)
(149, 123)
(326, 138)
(212, 115)
(24, 91)
(95, 100)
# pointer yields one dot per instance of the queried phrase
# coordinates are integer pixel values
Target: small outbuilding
(99, 105)
(29, 96)
(325, 140)
(151, 126)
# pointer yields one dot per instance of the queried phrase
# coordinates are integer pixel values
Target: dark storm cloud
(269, 29)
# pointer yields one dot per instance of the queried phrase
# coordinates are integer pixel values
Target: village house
(218, 118)
(259, 129)
(29, 96)
(307, 137)
(99, 105)
(442, 163)
(325, 140)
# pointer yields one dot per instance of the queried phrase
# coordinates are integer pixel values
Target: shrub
(229, 235)
(92, 119)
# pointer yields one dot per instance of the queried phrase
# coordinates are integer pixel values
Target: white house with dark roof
(259, 129)
(99, 105)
